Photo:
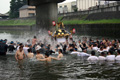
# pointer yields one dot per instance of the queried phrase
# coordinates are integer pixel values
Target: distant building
(87, 4)
(79, 5)
(4, 16)
(27, 11)
(67, 7)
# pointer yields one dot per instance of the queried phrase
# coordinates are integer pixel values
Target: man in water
(25, 48)
(19, 45)
(110, 56)
(93, 57)
(75, 51)
(48, 58)
(118, 55)
(102, 57)
(34, 41)
(60, 54)
(30, 54)
(11, 47)
(84, 53)
(39, 56)
(3, 47)
(20, 55)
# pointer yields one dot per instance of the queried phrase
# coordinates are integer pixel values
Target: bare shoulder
(61, 54)
(36, 55)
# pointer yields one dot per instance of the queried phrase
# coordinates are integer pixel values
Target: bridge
(46, 12)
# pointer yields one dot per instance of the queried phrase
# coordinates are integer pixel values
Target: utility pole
(91, 3)
(88, 5)
(94, 3)
(85, 4)
(77, 4)
(82, 5)
(99, 3)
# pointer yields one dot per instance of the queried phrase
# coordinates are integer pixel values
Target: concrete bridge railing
(96, 9)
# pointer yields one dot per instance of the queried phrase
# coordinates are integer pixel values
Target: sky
(5, 5)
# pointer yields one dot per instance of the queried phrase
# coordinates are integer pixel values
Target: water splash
(42, 36)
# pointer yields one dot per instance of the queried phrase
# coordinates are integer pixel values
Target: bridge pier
(46, 12)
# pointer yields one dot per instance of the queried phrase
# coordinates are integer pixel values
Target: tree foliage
(14, 7)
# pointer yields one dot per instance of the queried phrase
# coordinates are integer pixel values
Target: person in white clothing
(110, 56)
(93, 57)
(84, 53)
(38, 47)
(102, 57)
(26, 49)
(75, 52)
(100, 50)
(105, 49)
(95, 47)
(118, 56)
(19, 45)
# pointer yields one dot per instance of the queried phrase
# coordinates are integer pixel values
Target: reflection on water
(69, 69)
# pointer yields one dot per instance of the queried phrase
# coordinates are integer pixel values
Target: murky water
(67, 69)
(70, 68)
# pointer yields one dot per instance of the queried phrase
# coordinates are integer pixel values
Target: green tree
(14, 7)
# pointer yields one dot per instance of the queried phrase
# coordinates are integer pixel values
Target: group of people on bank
(103, 49)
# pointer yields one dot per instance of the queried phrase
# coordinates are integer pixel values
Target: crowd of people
(103, 49)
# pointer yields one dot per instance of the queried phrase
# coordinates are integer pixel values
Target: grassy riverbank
(26, 22)
(104, 21)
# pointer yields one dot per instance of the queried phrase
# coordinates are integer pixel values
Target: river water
(70, 68)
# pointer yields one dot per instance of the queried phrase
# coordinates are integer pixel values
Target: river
(70, 68)
(67, 69)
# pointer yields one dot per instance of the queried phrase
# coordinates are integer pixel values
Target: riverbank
(95, 18)
(104, 21)
(84, 25)
(17, 22)
(66, 22)
(101, 30)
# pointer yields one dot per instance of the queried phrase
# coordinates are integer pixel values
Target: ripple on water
(68, 69)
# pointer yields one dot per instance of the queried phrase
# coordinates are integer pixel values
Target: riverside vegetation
(30, 22)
